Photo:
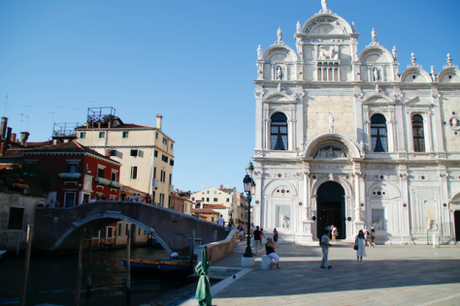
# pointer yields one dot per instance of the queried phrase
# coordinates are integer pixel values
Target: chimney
(107, 153)
(159, 117)
(24, 138)
(3, 127)
(13, 137)
(221, 186)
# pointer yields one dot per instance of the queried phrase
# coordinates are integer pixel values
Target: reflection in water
(53, 279)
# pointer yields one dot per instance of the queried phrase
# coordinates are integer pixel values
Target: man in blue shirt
(325, 248)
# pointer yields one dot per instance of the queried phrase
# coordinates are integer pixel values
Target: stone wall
(10, 239)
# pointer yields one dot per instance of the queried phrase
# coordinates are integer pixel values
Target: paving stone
(389, 275)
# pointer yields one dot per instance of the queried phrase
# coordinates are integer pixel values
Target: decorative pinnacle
(449, 59)
(413, 59)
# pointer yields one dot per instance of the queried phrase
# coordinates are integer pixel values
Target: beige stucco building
(224, 196)
(346, 138)
(146, 153)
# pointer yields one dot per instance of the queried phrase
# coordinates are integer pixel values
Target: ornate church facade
(348, 139)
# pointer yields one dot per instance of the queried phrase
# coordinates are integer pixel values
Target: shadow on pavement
(303, 277)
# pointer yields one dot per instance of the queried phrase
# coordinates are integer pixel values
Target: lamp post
(249, 188)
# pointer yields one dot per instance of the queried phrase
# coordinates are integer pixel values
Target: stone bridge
(61, 229)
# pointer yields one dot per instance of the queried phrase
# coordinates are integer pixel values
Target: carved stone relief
(330, 152)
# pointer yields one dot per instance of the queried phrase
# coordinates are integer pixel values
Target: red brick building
(79, 173)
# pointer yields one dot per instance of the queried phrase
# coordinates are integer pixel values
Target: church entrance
(457, 225)
(331, 208)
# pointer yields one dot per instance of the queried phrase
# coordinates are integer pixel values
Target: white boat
(2, 252)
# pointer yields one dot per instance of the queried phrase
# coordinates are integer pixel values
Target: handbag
(355, 247)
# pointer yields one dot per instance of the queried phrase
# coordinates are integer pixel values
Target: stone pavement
(389, 275)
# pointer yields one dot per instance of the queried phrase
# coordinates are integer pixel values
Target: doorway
(331, 208)
(457, 224)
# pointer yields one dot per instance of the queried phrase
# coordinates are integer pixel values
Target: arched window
(417, 132)
(379, 134)
(279, 132)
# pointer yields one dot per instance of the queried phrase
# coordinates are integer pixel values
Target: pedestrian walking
(360, 241)
(221, 221)
(256, 236)
(270, 249)
(372, 234)
(240, 229)
(324, 242)
(231, 224)
(275, 235)
(366, 236)
(262, 235)
(334, 233)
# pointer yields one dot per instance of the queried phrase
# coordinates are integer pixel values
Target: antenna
(62, 112)
(92, 103)
(77, 109)
(28, 118)
(22, 120)
(6, 104)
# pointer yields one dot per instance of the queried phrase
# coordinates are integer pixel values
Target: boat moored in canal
(165, 265)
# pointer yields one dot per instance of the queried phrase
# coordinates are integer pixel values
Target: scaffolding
(100, 115)
(65, 130)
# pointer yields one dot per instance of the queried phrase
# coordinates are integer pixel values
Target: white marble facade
(327, 116)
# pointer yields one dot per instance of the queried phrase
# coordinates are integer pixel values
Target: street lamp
(249, 188)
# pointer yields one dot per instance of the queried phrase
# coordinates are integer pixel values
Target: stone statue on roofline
(298, 27)
(259, 52)
(280, 34)
(324, 5)
(395, 53)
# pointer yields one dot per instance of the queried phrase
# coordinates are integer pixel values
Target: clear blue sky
(191, 61)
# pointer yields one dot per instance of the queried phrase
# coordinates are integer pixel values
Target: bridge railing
(219, 249)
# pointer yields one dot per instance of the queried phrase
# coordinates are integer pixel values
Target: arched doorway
(331, 208)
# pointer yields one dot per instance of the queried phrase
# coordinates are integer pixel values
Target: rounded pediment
(449, 75)
(279, 53)
(332, 146)
(375, 55)
(415, 75)
(326, 24)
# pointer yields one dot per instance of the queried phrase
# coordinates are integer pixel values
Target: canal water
(53, 279)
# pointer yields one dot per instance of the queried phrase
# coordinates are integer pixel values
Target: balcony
(70, 177)
(115, 184)
(101, 181)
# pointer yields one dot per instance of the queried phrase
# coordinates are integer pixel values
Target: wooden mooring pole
(26, 263)
(88, 276)
(128, 266)
(80, 268)
(192, 247)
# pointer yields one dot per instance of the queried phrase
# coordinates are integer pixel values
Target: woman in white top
(360, 241)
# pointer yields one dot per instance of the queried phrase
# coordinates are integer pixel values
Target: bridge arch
(61, 229)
